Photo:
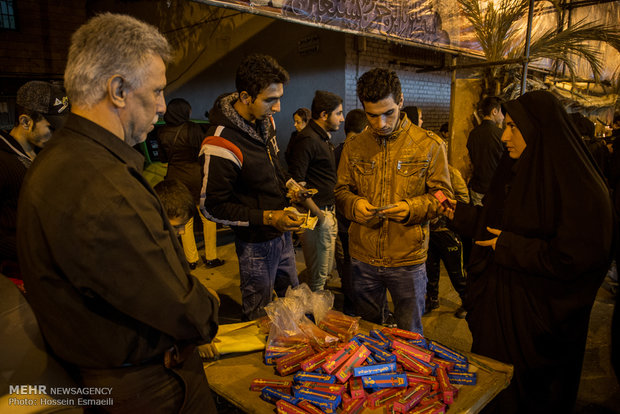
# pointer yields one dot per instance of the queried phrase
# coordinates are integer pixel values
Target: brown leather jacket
(410, 165)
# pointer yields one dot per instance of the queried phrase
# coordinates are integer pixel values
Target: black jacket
(242, 174)
(311, 159)
(485, 149)
(104, 271)
(13, 166)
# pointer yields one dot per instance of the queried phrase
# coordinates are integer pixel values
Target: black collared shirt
(105, 274)
(311, 159)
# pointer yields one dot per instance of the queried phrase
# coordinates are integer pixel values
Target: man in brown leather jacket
(387, 178)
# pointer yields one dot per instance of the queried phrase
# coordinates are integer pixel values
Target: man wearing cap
(106, 276)
(40, 109)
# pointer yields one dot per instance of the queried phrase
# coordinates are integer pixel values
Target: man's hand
(447, 211)
(208, 352)
(364, 211)
(399, 212)
(282, 220)
(490, 242)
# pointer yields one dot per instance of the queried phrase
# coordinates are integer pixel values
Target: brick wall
(39, 45)
(429, 91)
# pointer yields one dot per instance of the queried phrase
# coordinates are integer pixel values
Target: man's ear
(117, 91)
(401, 101)
(324, 115)
(26, 122)
(245, 98)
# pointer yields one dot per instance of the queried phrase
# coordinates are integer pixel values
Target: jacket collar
(225, 105)
(403, 124)
(10, 145)
(319, 131)
(105, 138)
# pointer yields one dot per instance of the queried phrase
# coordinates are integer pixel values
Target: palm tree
(502, 39)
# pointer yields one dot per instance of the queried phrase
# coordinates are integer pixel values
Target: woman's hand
(491, 242)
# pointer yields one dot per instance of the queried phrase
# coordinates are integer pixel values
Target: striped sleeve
(222, 165)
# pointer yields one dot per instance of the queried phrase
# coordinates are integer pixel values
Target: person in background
(386, 177)
(177, 201)
(245, 185)
(443, 131)
(181, 139)
(300, 119)
(414, 114)
(311, 160)
(354, 123)
(105, 274)
(539, 258)
(445, 245)
(596, 146)
(485, 148)
(40, 109)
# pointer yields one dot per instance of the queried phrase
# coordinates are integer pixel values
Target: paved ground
(599, 390)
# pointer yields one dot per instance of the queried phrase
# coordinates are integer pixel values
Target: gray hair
(106, 45)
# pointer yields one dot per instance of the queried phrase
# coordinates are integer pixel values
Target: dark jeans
(265, 267)
(445, 245)
(406, 284)
(153, 388)
(343, 264)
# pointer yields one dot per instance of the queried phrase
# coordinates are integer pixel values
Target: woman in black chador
(543, 241)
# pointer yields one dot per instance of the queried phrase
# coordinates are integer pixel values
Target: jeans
(406, 284)
(445, 245)
(263, 268)
(319, 246)
(343, 264)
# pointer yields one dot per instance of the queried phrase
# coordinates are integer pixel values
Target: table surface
(231, 376)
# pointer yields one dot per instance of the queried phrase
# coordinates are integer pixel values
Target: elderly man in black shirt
(311, 160)
(106, 276)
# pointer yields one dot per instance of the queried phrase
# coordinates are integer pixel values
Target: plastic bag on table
(321, 301)
(318, 338)
(315, 303)
(285, 314)
(341, 325)
(303, 295)
(264, 324)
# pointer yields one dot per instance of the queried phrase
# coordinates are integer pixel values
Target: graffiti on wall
(404, 19)
(433, 22)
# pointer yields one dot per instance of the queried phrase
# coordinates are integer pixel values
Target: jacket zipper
(273, 166)
(383, 200)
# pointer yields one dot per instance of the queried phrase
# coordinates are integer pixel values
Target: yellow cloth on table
(239, 337)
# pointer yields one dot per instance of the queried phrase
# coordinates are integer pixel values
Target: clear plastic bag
(291, 327)
(340, 325)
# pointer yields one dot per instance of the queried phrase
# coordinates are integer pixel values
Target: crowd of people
(106, 259)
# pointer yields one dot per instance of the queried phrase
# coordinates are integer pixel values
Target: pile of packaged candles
(391, 367)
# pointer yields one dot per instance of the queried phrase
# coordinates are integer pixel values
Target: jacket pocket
(410, 177)
(364, 174)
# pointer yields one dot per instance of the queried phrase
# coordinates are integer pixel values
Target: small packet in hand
(443, 200)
